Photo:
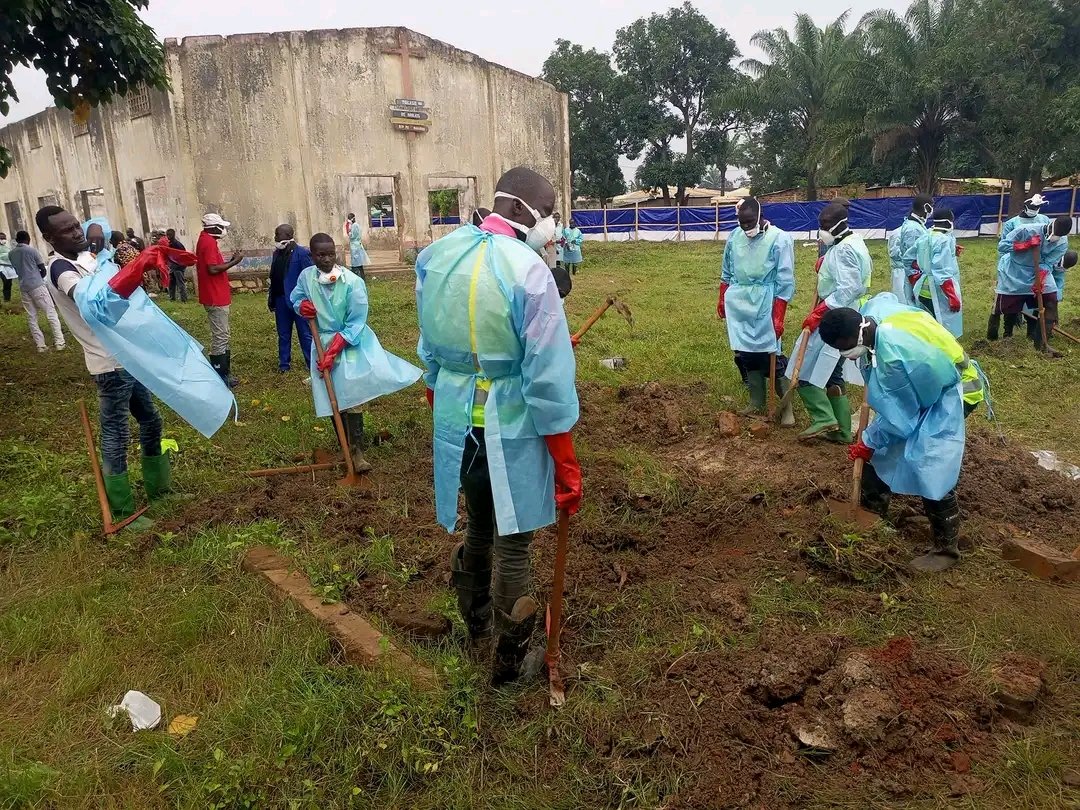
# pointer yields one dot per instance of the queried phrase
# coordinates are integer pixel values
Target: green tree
(801, 83)
(89, 50)
(598, 131)
(1025, 77)
(912, 83)
(676, 61)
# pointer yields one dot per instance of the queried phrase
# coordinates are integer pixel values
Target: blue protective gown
(1016, 270)
(154, 350)
(936, 252)
(843, 281)
(901, 254)
(914, 388)
(364, 370)
(357, 255)
(490, 314)
(758, 270)
(572, 248)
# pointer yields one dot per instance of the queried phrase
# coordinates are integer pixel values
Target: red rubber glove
(307, 309)
(859, 450)
(154, 257)
(914, 277)
(949, 288)
(332, 351)
(817, 264)
(1040, 283)
(1023, 245)
(779, 310)
(430, 394)
(959, 251)
(720, 311)
(574, 341)
(814, 318)
(567, 472)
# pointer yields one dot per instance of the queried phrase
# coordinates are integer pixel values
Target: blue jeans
(121, 394)
(285, 317)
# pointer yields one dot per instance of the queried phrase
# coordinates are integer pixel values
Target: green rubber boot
(157, 476)
(822, 419)
(122, 503)
(755, 381)
(841, 409)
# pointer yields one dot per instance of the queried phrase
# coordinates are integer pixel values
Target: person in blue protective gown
(843, 281)
(901, 246)
(757, 281)
(132, 350)
(921, 386)
(358, 257)
(360, 368)
(1019, 280)
(937, 282)
(572, 241)
(500, 378)
(1030, 216)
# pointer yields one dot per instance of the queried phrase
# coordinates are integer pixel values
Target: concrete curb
(363, 645)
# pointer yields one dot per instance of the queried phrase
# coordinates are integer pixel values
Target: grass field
(282, 724)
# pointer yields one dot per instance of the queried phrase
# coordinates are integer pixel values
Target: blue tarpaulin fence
(976, 214)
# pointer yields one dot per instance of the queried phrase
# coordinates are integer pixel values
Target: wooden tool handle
(856, 476)
(99, 481)
(585, 327)
(339, 425)
(558, 581)
(1039, 299)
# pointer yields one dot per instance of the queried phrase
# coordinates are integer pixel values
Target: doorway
(91, 203)
(376, 201)
(151, 198)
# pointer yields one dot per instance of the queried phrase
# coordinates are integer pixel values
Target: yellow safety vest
(926, 328)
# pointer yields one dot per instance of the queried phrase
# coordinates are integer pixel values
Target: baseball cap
(211, 220)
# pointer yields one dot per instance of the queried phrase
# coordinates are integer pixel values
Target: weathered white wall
(293, 127)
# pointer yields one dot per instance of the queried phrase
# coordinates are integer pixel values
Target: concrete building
(300, 127)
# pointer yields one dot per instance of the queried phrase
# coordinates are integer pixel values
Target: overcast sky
(516, 34)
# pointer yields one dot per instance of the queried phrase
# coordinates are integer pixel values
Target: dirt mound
(799, 716)
(652, 414)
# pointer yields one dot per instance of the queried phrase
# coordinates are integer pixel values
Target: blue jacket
(299, 261)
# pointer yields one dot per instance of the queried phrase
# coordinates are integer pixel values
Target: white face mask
(752, 232)
(330, 277)
(828, 237)
(858, 350)
(283, 244)
(944, 226)
(543, 229)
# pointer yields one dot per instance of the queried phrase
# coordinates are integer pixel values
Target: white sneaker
(41, 350)
(61, 346)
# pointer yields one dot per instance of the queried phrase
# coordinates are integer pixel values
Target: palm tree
(801, 81)
(908, 81)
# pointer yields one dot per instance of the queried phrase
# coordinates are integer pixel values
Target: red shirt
(214, 290)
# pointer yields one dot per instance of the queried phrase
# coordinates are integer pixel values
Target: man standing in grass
(500, 378)
(921, 386)
(30, 268)
(286, 265)
(843, 281)
(215, 293)
(119, 393)
(936, 284)
(901, 246)
(756, 284)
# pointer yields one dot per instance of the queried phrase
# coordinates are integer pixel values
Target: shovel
(351, 478)
(611, 301)
(103, 499)
(795, 370)
(554, 617)
(1043, 345)
(851, 510)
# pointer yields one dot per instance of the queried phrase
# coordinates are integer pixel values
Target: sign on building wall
(410, 115)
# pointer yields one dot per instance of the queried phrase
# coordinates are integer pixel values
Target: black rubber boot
(230, 380)
(875, 495)
(513, 641)
(217, 362)
(473, 590)
(1010, 324)
(944, 518)
(993, 327)
(354, 432)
